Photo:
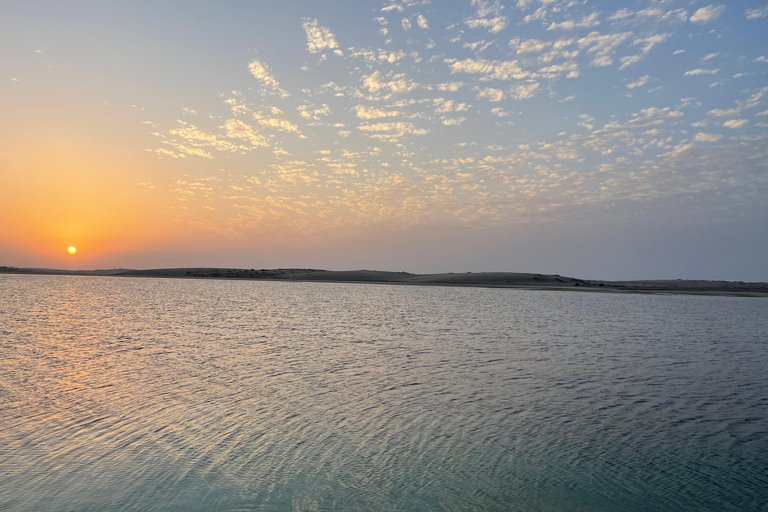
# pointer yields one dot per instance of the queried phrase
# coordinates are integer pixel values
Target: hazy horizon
(587, 139)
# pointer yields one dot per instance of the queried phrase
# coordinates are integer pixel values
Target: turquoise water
(184, 395)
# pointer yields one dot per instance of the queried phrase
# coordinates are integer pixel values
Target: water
(183, 395)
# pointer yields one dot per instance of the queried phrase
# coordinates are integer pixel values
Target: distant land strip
(477, 279)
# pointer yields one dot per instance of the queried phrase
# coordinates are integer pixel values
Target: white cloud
(422, 22)
(751, 102)
(364, 112)
(490, 69)
(524, 92)
(406, 23)
(601, 62)
(261, 71)
(707, 137)
(640, 82)
(757, 13)
(529, 45)
(311, 113)
(494, 25)
(450, 86)
(454, 121)
(401, 5)
(392, 130)
(697, 72)
(488, 16)
(629, 60)
(707, 14)
(319, 38)
(651, 41)
(621, 14)
(585, 22)
(735, 123)
(603, 46)
(493, 95)
(278, 120)
(237, 129)
(398, 83)
(709, 56)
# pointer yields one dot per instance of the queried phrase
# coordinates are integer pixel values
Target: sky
(599, 139)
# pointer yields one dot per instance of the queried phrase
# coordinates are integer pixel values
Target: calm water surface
(184, 395)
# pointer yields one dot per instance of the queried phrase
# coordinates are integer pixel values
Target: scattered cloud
(697, 72)
(488, 15)
(707, 137)
(757, 13)
(493, 95)
(735, 123)
(707, 14)
(319, 38)
(585, 22)
(489, 69)
(524, 91)
(639, 83)
(261, 72)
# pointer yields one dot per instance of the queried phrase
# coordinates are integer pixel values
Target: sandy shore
(483, 279)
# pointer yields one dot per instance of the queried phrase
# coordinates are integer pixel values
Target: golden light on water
(71, 250)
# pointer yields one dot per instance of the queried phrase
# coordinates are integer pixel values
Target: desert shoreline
(504, 280)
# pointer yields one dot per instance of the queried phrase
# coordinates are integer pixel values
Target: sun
(72, 250)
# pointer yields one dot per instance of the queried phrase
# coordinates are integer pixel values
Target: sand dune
(485, 279)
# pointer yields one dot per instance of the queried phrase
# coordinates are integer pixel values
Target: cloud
(735, 123)
(639, 83)
(629, 60)
(707, 14)
(399, 83)
(314, 114)
(443, 106)
(757, 13)
(493, 95)
(524, 92)
(449, 86)
(454, 121)
(490, 69)
(261, 71)
(529, 46)
(319, 38)
(277, 120)
(391, 131)
(650, 41)
(585, 22)
(422, 22)
(751, 102)
(697, 72)
(401, 5)
(488, 15)
(707, 137)
(406, 23)
(237, 129)
(364, 112)
(494, 25)
(603, 46)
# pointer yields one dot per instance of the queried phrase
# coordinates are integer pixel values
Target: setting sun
(71, 250)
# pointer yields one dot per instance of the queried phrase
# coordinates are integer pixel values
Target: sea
(141, 394)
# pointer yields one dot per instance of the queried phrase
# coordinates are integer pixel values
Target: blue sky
(417, 135)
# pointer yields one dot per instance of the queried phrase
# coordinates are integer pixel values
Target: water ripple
(142, 394)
